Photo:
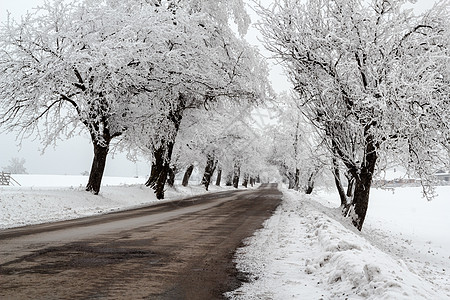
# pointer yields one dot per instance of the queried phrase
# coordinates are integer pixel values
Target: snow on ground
(308, 251)
(305, 251)
(50, 198)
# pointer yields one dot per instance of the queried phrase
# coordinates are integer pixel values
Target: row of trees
(373, 80)
(171, 81)
(220, 140)
(141, 71)
(296, 148)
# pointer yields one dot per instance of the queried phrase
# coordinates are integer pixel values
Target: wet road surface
(174, 250)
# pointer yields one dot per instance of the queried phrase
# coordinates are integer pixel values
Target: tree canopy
(178, 85)
(372, 77)
(122, 66)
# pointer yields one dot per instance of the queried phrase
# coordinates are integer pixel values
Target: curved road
(174, 250)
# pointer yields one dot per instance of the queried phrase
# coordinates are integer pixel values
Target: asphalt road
(175, 250)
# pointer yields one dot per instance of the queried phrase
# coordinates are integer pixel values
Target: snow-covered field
(49, 198)
(307, 251)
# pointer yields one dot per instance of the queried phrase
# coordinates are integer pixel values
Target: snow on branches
(373, 77)
(121, 67)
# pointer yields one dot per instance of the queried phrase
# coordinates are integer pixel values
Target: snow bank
(307, 251)
(22, 206)
(72, 181)
(403, 224)
(50, 198)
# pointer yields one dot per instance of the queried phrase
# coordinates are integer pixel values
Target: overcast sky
(75, 155)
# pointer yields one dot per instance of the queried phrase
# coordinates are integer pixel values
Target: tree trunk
(252, 181)
(340, 188)
(258, 179)
(236, 174)
(291, 179)
(160, 169)
(219, 176)
(309, 189)
(187, 175)
(245, 181)
(171, 177)
(297, 179)
(351, 186)
(163, 154)
(310, 184)
(98, 166)
(209, 170)
(363, 183)
(291, 183)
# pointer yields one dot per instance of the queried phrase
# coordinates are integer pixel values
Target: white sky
(75, 155)
(16, 7)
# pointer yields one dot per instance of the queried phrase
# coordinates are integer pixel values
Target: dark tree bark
(291, 177)
(163, 154)
(360, 175)
(187, 175)
(363, 182)
(351, 185)
(297, 179)
(171, 176)
(101, 149)
(340, 188)
(309, 189)
(310, 184)
(258, 179)
(160, 169)
(98, 166)
(252, 181)
(297, 171)
(236, 174)
(209, 170)
(245, 181)
(219, 176)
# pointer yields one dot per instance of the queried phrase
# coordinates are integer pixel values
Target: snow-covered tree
(211, 65)
(121, 66)
(373, 78)
(16, 166)
(295, 147)
(79, 63)
(215, 137)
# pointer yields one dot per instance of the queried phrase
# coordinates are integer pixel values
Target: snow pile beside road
(25, 206)
(306, 251)
(73, 181)
(50, 198)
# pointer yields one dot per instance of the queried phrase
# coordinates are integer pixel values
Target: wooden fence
(6, 179)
